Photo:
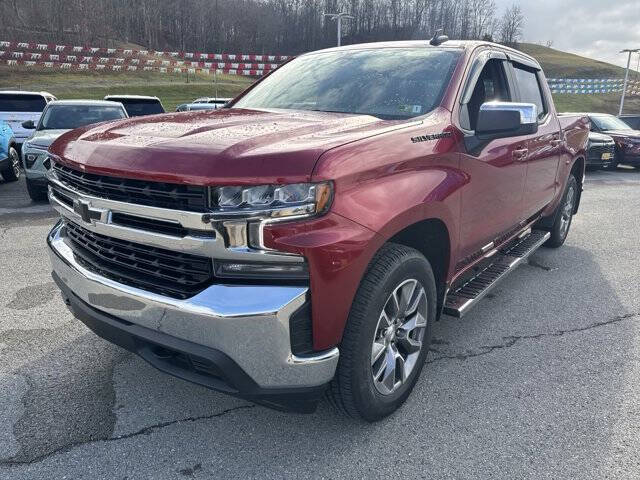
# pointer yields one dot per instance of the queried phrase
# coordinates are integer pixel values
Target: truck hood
(44, 138)
(221, 147)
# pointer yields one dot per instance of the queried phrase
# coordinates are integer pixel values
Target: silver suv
(58, 118)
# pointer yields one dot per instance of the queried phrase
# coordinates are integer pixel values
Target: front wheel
(387, 336)
(564, 215)
(12, 172)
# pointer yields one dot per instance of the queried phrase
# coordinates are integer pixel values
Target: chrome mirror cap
(528, 111)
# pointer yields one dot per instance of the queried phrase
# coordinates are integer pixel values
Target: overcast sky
(593, 28)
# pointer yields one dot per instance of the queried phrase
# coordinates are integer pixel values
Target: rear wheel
(564, 215)
(12, 172)
(387, 336)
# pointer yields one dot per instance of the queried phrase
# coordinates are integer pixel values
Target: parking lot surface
(539, 381)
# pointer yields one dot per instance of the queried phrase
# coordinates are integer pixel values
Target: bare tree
(511, 25)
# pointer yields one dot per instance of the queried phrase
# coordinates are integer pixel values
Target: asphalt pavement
(541, 380)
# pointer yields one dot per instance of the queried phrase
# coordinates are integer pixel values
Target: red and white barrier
(220, 68)
(40, 58)
(96, 51)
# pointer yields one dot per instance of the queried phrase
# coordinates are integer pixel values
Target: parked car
(220, 102)
(18, 106)
(203, 103)
(9, 156)
(138, 105)
(632, 120)
(627, 139)
(303, 241)
(188, 107)
(601, 152)
(59, 117)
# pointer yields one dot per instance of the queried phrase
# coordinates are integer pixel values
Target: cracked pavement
(540, 380)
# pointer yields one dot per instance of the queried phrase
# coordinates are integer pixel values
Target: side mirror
(29, 125)
(506, 119)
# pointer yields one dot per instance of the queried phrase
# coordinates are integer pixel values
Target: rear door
(543, 148)
(491, 202)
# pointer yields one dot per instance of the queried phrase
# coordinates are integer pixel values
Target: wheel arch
(432, 239)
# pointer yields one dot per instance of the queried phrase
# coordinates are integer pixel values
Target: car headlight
(242, 212)
(273, 201)
(31, 154)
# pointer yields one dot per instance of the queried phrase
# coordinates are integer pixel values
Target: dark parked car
(632, 120)
(601, 152)
(626, 138)
(138, 105)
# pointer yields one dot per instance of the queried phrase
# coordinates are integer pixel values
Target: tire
(12, 172)
(613, 166)
(564, 215)
(394, 272)
(37, 193)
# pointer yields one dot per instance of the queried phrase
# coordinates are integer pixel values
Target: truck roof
(459, 44)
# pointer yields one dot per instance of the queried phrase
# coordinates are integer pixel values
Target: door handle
(520, 154)
(556, 142)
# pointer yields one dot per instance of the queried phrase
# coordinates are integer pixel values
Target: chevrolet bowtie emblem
(82, 209)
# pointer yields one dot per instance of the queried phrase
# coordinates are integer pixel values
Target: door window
(490, 87)
(529, 87)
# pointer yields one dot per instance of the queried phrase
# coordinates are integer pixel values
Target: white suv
(17, 107)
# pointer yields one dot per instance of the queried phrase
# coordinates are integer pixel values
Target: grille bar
(161, 271)
(164, 195)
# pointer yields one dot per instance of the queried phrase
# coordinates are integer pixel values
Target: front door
(491, 201)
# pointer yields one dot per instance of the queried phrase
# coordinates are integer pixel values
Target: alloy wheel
(399, 335)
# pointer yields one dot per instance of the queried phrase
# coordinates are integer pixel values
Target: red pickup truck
(303, 240)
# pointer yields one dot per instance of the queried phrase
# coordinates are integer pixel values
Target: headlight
(32, 153)
(273, 201)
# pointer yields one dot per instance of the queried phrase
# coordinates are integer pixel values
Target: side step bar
(463, 297)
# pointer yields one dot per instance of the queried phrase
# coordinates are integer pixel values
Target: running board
(462, 298)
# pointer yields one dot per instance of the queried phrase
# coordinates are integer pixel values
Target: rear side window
(529, 86)
(21, 103)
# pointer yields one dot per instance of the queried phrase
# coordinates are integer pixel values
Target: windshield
(389, 83)
(21, 103)
(609, 123)
(136, 107)
(67, 117)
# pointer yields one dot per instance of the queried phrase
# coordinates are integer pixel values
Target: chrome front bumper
(250, 324)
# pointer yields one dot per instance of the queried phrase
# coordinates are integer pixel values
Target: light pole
(338, 17)
(626, 76)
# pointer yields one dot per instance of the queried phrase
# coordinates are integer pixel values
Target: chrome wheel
(398, 337)
(567, 211)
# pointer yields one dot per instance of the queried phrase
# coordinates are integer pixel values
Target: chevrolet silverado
(302, 241)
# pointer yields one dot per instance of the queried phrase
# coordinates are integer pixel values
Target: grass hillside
(558, 64)
(172, 88)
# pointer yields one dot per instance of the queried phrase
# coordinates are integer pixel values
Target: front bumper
(630, 159)
(241, 332)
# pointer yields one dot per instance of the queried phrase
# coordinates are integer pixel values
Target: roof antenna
(438, 39)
